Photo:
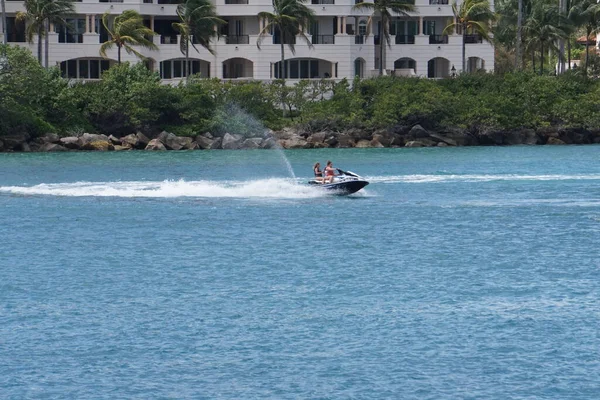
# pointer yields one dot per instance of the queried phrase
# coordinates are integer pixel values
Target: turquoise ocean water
(459, 273)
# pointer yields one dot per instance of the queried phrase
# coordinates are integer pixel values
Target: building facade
(345, 42)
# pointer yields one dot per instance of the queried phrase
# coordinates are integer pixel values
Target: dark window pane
(72, 68)
(304, 69)
(94, 69)
(195, 67)
(63, 69)
(83, 69)
(166, 69)
(314, 69)
(294, 73)
(177, 66)
(104, 65)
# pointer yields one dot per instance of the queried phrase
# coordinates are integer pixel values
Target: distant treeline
(131, 98)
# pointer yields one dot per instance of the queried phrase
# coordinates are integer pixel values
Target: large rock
(131, 141)
(171, 141)
(418, 132)
(88, 138)
(294, 143)
(521, 136)
(554, 141)
(155, 145)
(252, 143)
(376, 143)
(71, 142)
(122, 148)
(414, 143)
(12, 142)
(232, 142)
(382, 138)
(50, 138)
(345, 141)
(142, 140)
(269, 143)
(114, 140)
(100, 145)
(51, 147)
(460, 136)
(443, 139)
(363, 144)
(318, 137)
(1, 145)
(204, 142)
(216, 144)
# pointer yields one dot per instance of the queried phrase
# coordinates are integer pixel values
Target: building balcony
(473, 39)
(322, 2)
(436, 2)
(168, 39)
(405, 39)
(438, 39)
(359, 39)
(323, 39)
(236, 1)
(237, 39)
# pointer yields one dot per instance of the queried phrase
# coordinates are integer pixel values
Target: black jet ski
(345, 182)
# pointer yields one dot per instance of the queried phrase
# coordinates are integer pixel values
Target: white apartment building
(345, 45)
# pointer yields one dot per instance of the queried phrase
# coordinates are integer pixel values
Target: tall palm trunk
(3, 22)
(40, 35)
(569, 52)
(464, 34)
(519, 27)
(187, 59)
(587, 50)
(282, 67)
(119, 54)
(381, 47)
(46, 42)
(533, 60)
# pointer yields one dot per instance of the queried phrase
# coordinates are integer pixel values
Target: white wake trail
(448, 178)
(262, 188)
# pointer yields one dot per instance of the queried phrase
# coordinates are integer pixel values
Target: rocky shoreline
(398, 136)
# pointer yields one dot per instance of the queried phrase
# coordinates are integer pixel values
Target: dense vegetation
(131, 98)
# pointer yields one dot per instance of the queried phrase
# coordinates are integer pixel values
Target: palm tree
(289, 18)
(198, 19)
(545, 26)
(586, 13)
(3, 21)
(56, 13)
(474, 16)
(35, 15)
(384, 9)
(39, 14)
(125, 31)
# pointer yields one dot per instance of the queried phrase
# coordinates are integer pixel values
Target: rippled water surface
(459, 273)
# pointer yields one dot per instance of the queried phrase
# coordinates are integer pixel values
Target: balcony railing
(236, 1)
(168, 39)
(237, 39)
(359, 39)
(438, 39)
(277, 40)
(322, 2)
(405, 39)
(323, 39)
(473, 39)
(438, 2)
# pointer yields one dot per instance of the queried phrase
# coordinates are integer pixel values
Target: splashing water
(238, 121)
(261, 188)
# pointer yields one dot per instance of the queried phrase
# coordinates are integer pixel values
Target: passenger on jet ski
(329, 173)
(318, 172)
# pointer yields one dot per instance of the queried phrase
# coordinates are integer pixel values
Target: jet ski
(344, 183)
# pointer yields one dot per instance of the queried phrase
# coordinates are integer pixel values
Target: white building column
(420, 27)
